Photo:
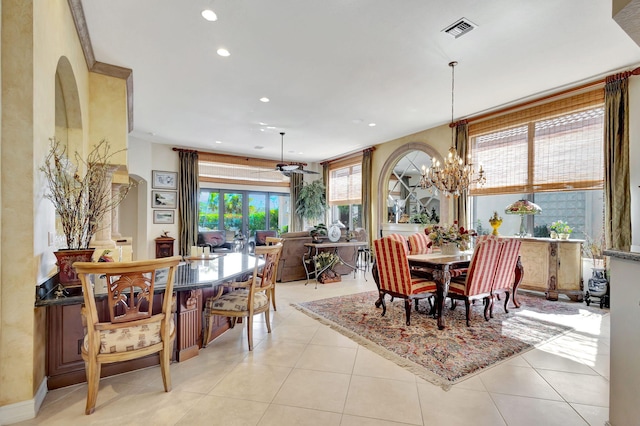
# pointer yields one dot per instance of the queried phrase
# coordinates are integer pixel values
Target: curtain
(617, 191)
(460, 203)
(366, 192)
(188, 190)
(326, 171)
(295, 183)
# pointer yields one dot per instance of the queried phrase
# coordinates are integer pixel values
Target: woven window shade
(219, 168)
(345, 184)
(556, 146)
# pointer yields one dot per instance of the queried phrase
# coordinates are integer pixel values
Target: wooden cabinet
(552, 266)
(164, 247)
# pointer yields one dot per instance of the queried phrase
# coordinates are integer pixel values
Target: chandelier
(455, 175)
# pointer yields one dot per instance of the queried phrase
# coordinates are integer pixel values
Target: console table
(552, 266)
(314, 248)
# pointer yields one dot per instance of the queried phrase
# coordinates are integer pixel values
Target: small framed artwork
(164, 199)
(163, 216)
(164, 180)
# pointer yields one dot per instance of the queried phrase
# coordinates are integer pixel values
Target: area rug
(445, 357)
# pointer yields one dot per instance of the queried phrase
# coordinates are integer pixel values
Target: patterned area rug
(445, 357)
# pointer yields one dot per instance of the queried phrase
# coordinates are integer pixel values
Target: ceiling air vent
(460, 27)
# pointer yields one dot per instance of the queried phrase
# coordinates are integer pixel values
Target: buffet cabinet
(552, 266)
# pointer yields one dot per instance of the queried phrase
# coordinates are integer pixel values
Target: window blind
(557, 146)
(345, 184)
(223, 168)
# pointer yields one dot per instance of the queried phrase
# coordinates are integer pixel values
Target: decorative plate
(334, 233)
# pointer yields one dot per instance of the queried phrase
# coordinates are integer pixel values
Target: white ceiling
(330, 67)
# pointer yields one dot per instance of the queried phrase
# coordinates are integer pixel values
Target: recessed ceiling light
(258, 147)
(209, 15)
(271, 127)
(301, 153)
(262, 124)
(223, 52)
(218, 141)
(372, 124)
(265, 100)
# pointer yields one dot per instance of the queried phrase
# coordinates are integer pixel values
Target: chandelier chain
(455, 175)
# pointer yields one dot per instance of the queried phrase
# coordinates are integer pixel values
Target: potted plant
(318, 231)
(562, 230)
(80, 193)
(312, 202)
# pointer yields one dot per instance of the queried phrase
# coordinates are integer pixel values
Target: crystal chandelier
(454, 176)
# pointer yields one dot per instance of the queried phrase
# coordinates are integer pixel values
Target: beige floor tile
(458, 407)
(215, 410)
(280, 415)
(595, 416)
(318, 390)
(523, 411)
(515, 380)
(384, 399)
(328, 337)
(517, 361)
(541, 359)
(278, 353)
(602, 365)
(255, 382)
(349, 420)
(472, 383)
(294, 333)
(579, 388)
(328, 358)
(371, 364)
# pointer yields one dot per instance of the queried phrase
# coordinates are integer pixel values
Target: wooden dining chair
(477, 282)
(505, 271)
(246, 298)
(135, 326)
(271, 241)
(395, 277)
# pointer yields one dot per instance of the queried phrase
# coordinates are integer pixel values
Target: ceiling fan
(288, 168)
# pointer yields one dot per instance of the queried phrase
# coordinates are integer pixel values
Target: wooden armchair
(477, 282)
(247, 298)
(135, 327)
(395, 276)
(272, 241)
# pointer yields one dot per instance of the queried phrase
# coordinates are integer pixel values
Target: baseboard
(23, 410)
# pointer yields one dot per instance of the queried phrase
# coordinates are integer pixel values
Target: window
(550, 154)
(345, 192)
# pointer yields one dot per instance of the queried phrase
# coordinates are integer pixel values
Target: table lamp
(522, 207)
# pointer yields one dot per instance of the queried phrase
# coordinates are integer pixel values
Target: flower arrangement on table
(450, 234)
(561, 227)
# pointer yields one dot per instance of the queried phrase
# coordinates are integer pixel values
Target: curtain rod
(596, 83)
(185, 150)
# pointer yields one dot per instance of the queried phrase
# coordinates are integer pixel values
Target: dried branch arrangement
(81, 201)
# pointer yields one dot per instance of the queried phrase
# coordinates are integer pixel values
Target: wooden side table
(164, 246)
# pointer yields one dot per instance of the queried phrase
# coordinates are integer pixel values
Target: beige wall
(34, 36)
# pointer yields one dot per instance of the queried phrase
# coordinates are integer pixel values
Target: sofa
(293, 248)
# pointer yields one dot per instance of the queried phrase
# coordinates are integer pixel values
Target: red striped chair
(477, 283)
(419, 243)
(402, 239)
(505, 271)
(395, 277)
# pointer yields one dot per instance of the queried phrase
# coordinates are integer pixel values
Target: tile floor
(304, 373)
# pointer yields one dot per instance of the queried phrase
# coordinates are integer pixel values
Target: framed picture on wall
(164, 180)
(163, 216)
(164, 199)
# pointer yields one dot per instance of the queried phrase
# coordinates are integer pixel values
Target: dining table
(442, 267)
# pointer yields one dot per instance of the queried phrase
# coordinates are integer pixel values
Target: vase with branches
(79, 190)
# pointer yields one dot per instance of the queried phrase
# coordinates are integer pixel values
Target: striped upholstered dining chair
(505, 271)
(420, 243)
(395, 276)
(478, 281)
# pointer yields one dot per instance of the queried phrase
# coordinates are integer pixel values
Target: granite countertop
(620, 254)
